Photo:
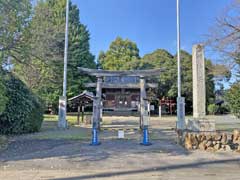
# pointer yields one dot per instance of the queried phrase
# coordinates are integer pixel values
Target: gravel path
(29, 158)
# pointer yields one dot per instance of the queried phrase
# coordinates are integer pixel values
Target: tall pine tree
(44, 71)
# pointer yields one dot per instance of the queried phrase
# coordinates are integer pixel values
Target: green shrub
(216, 109)
(3, 96)
(212, 109)
(233, 99)
(224, 109)
(23, 112)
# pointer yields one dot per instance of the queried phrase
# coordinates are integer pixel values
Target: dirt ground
(66, 154)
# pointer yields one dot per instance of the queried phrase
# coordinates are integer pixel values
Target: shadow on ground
(155, 169)
(73, 144)
(71, 148)
(31, 148)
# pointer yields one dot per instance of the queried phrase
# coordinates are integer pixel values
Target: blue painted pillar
(145, 140)
(95, 123)
(95, 141)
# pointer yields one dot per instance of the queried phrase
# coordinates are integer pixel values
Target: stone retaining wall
(212, 141)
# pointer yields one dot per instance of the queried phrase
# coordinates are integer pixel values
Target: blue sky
(149, 23)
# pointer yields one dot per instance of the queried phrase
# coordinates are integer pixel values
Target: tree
(43, 72)
(233, 99)
(14, 18)
(79, 53)
(3, 94)
(162, 59)
(116, 59)
(224, 36)
(120, 55)
(168, 79)
(222, 74)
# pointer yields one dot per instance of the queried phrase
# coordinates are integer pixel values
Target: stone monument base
(200, 125)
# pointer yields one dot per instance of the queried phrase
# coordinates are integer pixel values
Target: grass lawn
(72, 134)
(72, 118)
(227, 127)
(49, 129)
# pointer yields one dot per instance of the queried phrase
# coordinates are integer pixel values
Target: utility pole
(62, 122)
(180, 100)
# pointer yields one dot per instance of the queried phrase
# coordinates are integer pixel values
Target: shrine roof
(85, 96)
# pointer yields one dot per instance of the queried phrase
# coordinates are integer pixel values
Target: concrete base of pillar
(181, 113)
(200, 125)
(62, 122)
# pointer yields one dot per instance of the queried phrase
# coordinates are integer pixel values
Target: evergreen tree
(120, 56)
(43, 72)
(14, 18)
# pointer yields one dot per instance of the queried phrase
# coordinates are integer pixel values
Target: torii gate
(142, 74)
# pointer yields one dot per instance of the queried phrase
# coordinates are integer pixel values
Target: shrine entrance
(122, 91)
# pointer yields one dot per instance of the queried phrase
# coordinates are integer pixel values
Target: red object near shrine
(169, 104)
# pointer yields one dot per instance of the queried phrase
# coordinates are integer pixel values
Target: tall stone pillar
(199, 122)
(99, 87)
(199, 85)
(95, 120)
(97, 103)
(143, 103)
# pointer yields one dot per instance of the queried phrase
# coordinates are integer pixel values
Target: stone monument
(199, 85)
(199, 121)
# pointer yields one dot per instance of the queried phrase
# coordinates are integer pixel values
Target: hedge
(23, 112)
